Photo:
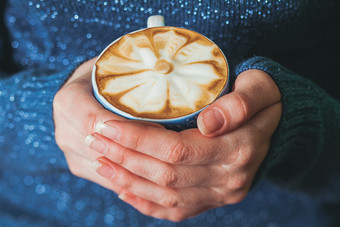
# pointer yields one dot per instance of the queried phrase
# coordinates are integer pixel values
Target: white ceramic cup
(178, 123)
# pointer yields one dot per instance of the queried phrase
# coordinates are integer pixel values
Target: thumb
(253, 91)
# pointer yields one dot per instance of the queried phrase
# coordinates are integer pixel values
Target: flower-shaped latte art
(161, 73)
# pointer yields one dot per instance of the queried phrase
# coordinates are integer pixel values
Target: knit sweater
(43, 41)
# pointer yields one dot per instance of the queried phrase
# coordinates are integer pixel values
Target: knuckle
(179, 154)
(224, 176)
(89, 122)
(62, 97)
(169, 201)
(57, 100)
(178, 217)
(238, 182)
(74, 170)
(237, 198)
(240, 101)
(149, 210)
(121, 157)
(60, 141)
(167, 177)
(140, 170)
(232, 157)
(137, 140)
(245, 156)
(57, 136)
(125, 182)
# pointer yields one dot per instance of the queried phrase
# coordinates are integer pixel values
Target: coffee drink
(161, 73)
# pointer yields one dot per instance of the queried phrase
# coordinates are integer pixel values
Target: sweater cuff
(296, 95)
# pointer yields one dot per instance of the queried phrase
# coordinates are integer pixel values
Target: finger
(81, 168)
(157, 211)
(63, 134)
(254, 91)
(85, 169)
(164, 196)
(267, 125)
(147, 123)
(77, 105)
(243, 170)
(154, 170)
(188, 147)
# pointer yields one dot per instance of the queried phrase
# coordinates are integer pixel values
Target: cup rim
(114, 109)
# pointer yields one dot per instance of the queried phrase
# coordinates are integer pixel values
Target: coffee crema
(161, 73)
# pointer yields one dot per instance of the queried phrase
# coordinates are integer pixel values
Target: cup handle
(156, 21)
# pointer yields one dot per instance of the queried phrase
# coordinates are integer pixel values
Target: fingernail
(108, 130)
(99, 127)
(128, 198)
(122, 196)
(96, 144)
(88, 140)
(96, 165)
(210, 122)
(103, 169)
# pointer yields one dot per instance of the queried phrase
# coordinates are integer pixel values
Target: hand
(253, 91)
(171, 175)
(75, 113)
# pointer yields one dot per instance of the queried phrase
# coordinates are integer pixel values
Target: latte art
(161, 73)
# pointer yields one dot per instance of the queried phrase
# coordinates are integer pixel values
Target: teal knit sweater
(305, 149)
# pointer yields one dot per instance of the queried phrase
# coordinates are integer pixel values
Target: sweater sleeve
(305, 149)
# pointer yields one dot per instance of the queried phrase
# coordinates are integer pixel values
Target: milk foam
(162, 75)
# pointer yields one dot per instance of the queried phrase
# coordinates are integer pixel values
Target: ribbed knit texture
(305, 147)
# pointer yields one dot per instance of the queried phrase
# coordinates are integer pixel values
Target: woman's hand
(171, 175)
(76, 112)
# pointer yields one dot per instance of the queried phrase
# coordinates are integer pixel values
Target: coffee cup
(161, 74)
